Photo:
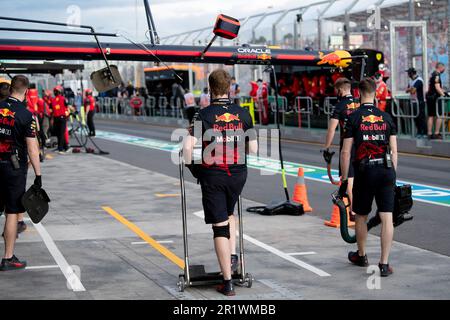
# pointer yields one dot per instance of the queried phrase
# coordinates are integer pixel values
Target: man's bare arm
(253, 146)
(188, 148)
(331, 131)
(394, 154)
(33, 154)
(345, 157)
(439, 89)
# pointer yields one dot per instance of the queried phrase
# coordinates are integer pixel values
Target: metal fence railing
(328, 105)
(303, 106)
(282, 107)
(301, 111)
(443, 113)
(405, 110)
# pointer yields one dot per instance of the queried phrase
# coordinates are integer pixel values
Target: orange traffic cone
(335, 221)
(300, 194)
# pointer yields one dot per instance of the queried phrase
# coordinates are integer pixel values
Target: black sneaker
(234, 263)
(12, 264)
(226, 288)
(356, 259)
(21, 227)
(385, 270)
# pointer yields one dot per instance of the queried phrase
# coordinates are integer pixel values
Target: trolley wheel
(181, 283)
(249, 280)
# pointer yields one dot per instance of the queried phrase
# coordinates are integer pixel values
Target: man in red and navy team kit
(226, 133)
(345, 106)
(17, 143)
(373, 134)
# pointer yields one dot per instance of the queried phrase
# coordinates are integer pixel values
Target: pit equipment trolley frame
(195, 275)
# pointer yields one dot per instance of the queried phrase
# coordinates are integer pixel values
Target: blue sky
(171, 16)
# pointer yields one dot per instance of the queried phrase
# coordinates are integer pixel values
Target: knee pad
(222, 231)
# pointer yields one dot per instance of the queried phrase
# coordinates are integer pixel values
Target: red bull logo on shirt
(7, 113)
(7, 117)
(227, 117)
(372, 119)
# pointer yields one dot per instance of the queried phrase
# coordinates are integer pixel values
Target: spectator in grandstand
(416, 90)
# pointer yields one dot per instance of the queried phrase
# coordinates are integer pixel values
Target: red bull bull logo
(227, 117)
(353, 106)
(264, 56)
(372, 119)
(331, 59)
(339, 58)
(6, 113)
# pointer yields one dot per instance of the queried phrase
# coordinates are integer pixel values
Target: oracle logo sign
(257, 51)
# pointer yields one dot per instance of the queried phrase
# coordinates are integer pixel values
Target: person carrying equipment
(60, 118)
(375, 137)
(89, 110)
(339, 116)
(17, 141)
(225, 132)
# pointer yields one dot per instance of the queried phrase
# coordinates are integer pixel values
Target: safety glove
(343, 188)
(38, 182)
(327, 155)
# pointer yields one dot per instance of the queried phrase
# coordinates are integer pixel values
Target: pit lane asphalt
(428, 230)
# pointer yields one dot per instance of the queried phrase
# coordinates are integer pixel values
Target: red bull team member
(375, 137)
(60, 118)
(435, 91)
(89, 109)
(226, 131)
(339, 116)
(17, 141)
(4, 90)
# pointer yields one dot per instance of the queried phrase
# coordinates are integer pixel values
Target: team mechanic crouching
(375, 137)
(17, 139)
(226, 133)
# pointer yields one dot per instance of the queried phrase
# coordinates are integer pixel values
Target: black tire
(181, 283)
(249, 280)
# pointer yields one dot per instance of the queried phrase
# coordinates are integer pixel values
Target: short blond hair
(219, 82)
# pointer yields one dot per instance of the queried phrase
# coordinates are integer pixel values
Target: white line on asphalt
(161, 242)
(301, 253)
(277, 252)
(72, 279)
(42, 267)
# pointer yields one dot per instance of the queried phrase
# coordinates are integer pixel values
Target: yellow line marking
(152, 242)
(48, 156)
(167, 195)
